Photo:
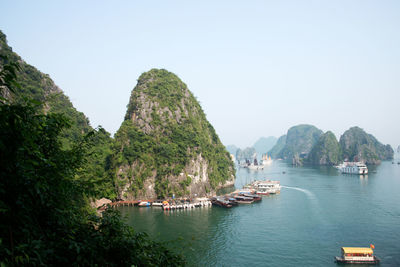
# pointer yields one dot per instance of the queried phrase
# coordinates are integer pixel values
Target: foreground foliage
(44, 214)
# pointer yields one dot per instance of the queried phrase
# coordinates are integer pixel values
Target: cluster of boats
(255, 165)
(234, 200)
(176, 204)
(250, 193)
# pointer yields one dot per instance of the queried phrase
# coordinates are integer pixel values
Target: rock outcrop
(166, 146)
(299, 141)
(278, 147)
(326, 151)
(357, 145)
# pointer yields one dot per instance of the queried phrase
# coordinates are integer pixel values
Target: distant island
(306, 144)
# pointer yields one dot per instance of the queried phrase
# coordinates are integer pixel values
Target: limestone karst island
(163, 187)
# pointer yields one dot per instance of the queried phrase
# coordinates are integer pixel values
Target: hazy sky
(257, 67)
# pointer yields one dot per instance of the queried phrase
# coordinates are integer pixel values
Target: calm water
(317, 212)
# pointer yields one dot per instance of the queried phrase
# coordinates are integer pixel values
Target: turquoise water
(317, 212)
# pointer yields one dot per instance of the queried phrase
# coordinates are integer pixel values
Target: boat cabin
(357, 255)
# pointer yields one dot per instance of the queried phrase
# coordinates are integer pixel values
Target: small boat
(231, 201)
(144, 204)
(244, 200)
(157, 203)
(253, 196)
(358, 255)
(218, 201)
(165, 205)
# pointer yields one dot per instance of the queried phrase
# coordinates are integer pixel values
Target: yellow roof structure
(353, 250)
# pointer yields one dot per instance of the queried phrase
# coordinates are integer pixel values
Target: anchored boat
(219, 201)
(358, 255)
(353, 168)
(267, 187)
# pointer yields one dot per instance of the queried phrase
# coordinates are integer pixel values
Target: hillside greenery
(32, 85)
(299, 140)
(307, 144)
(326, 151)
(275, 151)
(164, 142)
(357, 145)
(45, 218)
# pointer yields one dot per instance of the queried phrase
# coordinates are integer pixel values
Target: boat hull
(341, 260)
(262, 193)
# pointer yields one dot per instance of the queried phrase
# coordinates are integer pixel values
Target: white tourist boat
(267, 187)
(353, 168)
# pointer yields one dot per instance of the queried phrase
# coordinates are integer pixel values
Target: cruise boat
(358, 255)
(267, 187)
(353, 168)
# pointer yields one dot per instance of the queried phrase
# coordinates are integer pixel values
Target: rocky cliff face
(299, 141)
(326, 151)
(275, 152)
(166, 146)
(357, 145)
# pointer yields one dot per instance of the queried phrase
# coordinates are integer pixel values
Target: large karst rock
(298, 142)
(166, 147)
(357, 145)
(326, 151)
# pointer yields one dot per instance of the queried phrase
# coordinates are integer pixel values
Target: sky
(257, 67)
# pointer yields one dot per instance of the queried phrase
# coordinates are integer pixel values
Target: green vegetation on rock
(278, 147)
(326, 151)
(164, 132)
(36, 86)
(299, 140)
(357, 145)
(45, 219)
(307, 144)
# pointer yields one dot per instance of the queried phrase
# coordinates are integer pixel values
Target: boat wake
(313, 201)
(309, 194)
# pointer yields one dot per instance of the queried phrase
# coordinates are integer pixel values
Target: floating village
(252, 193)
(249, 194)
